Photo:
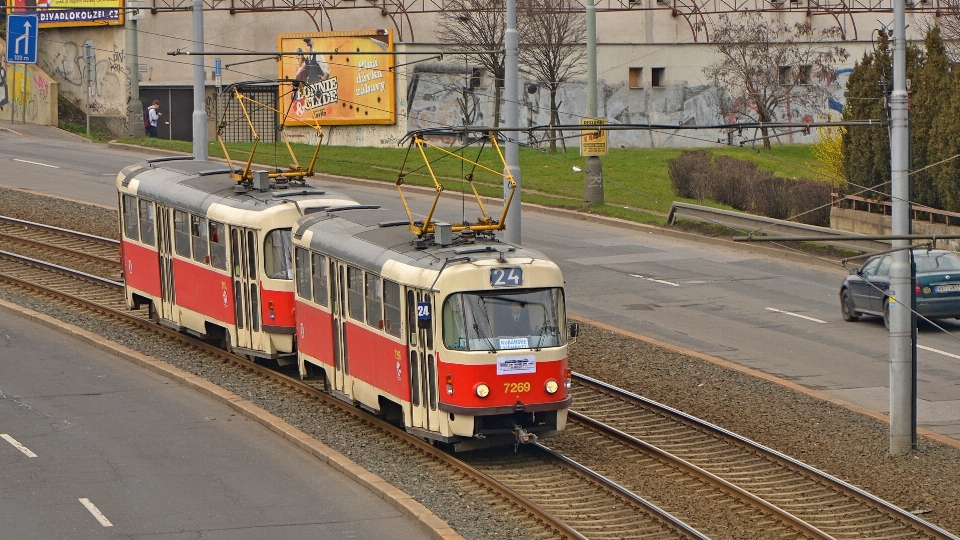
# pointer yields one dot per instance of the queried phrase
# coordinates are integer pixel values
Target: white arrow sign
(23, 40)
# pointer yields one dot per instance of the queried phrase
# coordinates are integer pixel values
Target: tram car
(461, 337)
(212, 256)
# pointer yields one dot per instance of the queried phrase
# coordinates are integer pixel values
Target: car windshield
(493, 321)
(937, 262)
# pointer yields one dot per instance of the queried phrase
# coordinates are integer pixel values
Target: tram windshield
(499, 320)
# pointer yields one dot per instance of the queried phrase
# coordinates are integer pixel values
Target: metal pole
(511, 87)
(901, 344)
(593, 169)
(199, 89)
(134, 107)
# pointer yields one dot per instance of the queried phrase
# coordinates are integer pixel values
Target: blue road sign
(22, 39)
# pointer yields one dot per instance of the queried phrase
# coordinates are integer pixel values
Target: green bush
(742, 185)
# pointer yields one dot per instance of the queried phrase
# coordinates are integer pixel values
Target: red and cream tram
(212, 256)
(460, 336)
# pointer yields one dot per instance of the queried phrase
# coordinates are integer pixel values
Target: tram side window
(130, 224)
(278, 254)
(391, 307)
(218, 245)
(320, 279)
(303, 273)
(181, 232)
(355, 293)
(373, 293)
(147, 220)
(198, 236)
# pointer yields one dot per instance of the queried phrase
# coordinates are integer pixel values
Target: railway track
(504, 475)
(86, 252)
(808, 502)
(750, 486)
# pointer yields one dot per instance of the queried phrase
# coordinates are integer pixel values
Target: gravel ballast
(846, 444)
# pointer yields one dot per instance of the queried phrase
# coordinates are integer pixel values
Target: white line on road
(35, 163)
(655, 280)
(17, 445)
(931, 349)
(775, 310)
(96, 513)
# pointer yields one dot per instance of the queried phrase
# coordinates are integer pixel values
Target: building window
(636, 77)
(805, 75)
(786, 76)
(657, 78)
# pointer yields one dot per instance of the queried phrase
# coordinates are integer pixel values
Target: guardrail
(745, 223)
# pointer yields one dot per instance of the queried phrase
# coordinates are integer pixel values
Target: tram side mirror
(423, 314)
(574, 329)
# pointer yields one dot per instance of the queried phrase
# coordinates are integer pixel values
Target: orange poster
(340, 77)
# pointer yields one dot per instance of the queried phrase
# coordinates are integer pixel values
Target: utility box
(261, 180)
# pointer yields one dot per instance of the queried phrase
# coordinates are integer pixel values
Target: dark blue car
(866, 290)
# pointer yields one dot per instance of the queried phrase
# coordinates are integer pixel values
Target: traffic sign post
(22, 39)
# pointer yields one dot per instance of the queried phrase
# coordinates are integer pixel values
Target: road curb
(436, 527)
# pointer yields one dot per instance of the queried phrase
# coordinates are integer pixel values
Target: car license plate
(948, 288)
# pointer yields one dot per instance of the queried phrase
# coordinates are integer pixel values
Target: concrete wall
(427, 93)
(27, 94)
(860, 222)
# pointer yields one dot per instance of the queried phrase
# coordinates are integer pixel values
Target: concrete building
(651, 55)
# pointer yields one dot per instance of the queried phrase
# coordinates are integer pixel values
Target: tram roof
(371, 236)
(196, 185)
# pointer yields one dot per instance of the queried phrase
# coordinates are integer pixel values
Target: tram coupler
(524, 436)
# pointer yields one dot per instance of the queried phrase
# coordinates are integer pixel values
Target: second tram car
(212, 256)
(461, 337)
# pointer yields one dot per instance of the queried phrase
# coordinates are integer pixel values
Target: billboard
(53, 13)
(343, 77)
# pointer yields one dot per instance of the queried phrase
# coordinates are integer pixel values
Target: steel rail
(695, 471)
(657, 512)
(893, 511)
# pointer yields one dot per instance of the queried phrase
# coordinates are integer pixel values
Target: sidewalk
(34, 130)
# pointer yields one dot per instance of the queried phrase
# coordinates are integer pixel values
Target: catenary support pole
(902, 428)
(511, 118)
(199, 89)
(134, 106)
(593, 168)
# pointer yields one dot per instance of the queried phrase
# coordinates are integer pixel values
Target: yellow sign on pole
(594, 141)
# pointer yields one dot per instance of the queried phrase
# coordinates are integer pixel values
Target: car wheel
(846, 307)
(886, 312)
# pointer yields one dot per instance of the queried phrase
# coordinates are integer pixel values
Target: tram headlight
(551, 386)
(482, 390)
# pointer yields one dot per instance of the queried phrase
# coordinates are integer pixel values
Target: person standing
(154, 116)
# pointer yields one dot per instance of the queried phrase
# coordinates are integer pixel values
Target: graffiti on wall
(107, 94)
(435, 101)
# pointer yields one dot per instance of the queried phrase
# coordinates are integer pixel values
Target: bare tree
(477, 26)
(552, 46)
(767, 66)
(948, 22)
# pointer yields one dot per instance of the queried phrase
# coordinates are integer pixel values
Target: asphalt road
(92, 446)
(741, 303)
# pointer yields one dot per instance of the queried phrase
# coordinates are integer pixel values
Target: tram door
(246, 287)
(168, 297)
(422, 360)
(342, 382)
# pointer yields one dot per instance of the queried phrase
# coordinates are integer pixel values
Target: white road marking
(96, 512)
(931, 349)
(17, 445)
(35, 163)
(655, 280)
(775, 310)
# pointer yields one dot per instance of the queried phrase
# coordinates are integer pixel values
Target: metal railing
(745, 224)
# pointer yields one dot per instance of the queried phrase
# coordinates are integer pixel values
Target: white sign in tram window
(516, 365)
(514, 343)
